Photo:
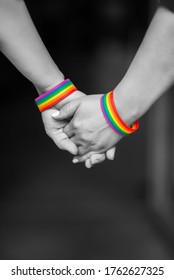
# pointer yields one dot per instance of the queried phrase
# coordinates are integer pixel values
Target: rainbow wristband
(112, 117)
(55, 95)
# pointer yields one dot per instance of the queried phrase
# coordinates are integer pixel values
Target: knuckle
(76, 123)
(85, 136)
(88, 137)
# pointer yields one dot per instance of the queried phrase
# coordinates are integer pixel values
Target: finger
(82, 150)
(76, 141)
(68, 129)
(88, 163)
(67, 111)
(63, 142)
(110, 154)
(83, 158)
(46, 116)
(97, 158)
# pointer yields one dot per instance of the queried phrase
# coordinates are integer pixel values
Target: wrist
(126, 102)
(48, 82)
(115, 118)
(55, 95)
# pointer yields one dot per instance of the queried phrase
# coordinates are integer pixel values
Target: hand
(54, 130)
(88, 129)
(93, 158)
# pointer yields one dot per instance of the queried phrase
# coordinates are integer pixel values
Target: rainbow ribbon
(55, 95)
(112, 117)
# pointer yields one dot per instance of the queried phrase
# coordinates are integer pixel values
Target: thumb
(67, 111)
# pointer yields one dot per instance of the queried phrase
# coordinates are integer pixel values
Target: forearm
(22, 45)
(151, 72)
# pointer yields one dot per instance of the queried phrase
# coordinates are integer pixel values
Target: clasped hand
(80, 128)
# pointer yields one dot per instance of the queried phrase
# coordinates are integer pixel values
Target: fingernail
(55, 114)
(75, 160)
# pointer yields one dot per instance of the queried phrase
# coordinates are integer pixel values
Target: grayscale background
(52, 209)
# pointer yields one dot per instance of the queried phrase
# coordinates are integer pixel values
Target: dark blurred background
(52, 209)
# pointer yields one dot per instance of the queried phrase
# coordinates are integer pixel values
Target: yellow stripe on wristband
(113, 118)
(55, 95)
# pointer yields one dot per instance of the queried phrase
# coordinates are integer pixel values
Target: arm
(22, 45)
(150, 74)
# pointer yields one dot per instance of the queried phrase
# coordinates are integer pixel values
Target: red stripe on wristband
(55, 95)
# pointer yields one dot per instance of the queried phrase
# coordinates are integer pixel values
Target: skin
(149, 76)
(22, 45)
(88, 132)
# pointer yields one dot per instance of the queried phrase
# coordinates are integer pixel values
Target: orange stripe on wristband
(113, 118)
(55, 95)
